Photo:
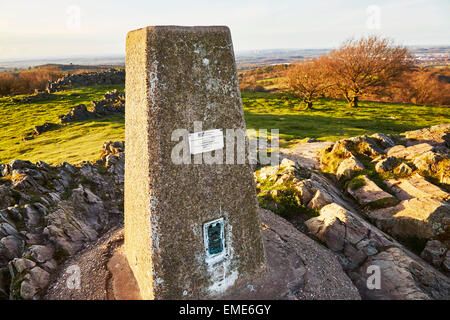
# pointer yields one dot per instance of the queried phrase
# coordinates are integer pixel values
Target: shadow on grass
(100, 121)
(321, 126)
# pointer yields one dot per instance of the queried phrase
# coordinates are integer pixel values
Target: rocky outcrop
(107, 77)
(77, 113)
(408, 153)
(403, 188)
(415, 186)
(402, 275)
(112, 103)
(395, 206)
(306, 153)
(289, 188)
(436, 135)
(349, 167)
(52, 212)
(47, 126)
(386, 165)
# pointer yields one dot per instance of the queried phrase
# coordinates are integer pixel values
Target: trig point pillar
(192, 228)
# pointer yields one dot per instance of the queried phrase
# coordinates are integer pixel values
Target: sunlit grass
(333, 119)
(75, 142)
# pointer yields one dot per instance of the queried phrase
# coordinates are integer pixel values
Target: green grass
(329, 120)
(333, 119)
(356, 183)
(72, 142)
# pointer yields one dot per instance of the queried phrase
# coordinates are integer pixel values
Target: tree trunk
(354, 102)
(309, 105)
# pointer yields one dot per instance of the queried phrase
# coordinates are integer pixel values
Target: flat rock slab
(424, 218)
(415, 187)
(297, 268)
(409, 153)
(370, 194)
(404, 278)
(306, 154)
(438, 134)
(403, 275)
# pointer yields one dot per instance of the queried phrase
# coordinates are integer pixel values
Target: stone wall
(107, 77)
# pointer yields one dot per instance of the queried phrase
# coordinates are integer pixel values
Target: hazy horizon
(85, 28)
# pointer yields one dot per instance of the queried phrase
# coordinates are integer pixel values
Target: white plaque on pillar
(205, 141)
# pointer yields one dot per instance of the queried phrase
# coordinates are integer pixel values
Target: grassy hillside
(72, 142)
(333, 119)
(330, 120)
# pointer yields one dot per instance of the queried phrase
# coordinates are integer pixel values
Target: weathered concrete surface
(123, 284)
(175, 76)
(297, 268)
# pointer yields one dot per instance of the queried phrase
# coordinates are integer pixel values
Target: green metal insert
(215, 241)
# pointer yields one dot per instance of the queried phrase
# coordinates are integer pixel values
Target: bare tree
(365, 66)
(308, 80)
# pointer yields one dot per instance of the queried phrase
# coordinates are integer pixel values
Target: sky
(79, 28)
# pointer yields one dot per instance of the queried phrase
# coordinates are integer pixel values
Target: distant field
(75, 142)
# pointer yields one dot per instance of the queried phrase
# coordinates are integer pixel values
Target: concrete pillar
(191, 230)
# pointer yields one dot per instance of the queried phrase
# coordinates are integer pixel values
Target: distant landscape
(433, 55)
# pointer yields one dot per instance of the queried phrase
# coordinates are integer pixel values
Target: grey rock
(7, 229)
(410, 152)
(434, 252)
(20, 164)
(403, 169)
(427, 162)
(403, 276)
(23, 264)
(385, 140)
(424, 218)
(348, 167)
(371, 194)
(32, 216)
(387, 164)
(41, 253)
(13, 246)
(28, 291)
(50, 265)
(39, 277)
(6, 197)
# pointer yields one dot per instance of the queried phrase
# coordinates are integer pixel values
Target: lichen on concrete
(175, 77)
